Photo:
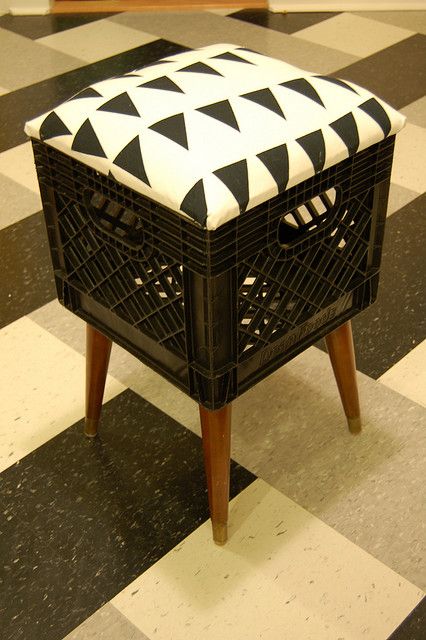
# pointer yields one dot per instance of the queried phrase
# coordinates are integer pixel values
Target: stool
(216, 213)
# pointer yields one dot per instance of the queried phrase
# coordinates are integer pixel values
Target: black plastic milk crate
(216, 311)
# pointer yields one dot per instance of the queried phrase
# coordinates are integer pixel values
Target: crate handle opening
(114, 220)
(308, 219)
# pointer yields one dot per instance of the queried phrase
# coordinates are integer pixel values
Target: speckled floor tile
(283, 573)
(19, 106)
(29, 61)
(354, 35)
(414, 20)
(113, 506)
(399, 197)
(42, 593)
(39, 26)
(26, 278)
(416, 112)
(388, 330)
(408, 376)
(397, 74)
(284, 22)
(16, 202)
(96, 40)
(409, 164)
(36, 403)
(18, 164)
(412, 628)
(200, 29)
(106, 624)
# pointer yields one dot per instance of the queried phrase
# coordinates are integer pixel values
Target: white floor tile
(16, 202)
(282, 574)
(18, 164)
(409, 164)
(353, 34)
(42, 388)
(3, 91)
(413, 20)
(97, 40)
(223, 12)
(408, 376)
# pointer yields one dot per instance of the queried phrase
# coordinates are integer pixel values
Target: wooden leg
(340, 348)
(216, 431)
(98, 349)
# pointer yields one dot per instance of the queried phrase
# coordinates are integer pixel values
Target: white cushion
(211, 133)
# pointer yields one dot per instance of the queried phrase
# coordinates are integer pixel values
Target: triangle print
(173, 128)
(340, 83)
(164, 83)
(375, 110)
(235, 177)
(265, 98)
(130, 159)
(221, 111)
(86, 93)
(313, 144)
(86, 141)
(302, 86)
(276, 161)
(347, 130)
(120, 104)
(52, 127)
(194, 203)
(232, 57)
(200, 67)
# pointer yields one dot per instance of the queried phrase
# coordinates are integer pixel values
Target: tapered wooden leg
(216, 431)
(98, 349)
(340, 348)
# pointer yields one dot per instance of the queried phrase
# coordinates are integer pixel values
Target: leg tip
(91, 428)
(220, 533)
(355, 425)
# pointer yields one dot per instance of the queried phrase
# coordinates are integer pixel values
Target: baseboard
(28, 7)
(346, 5)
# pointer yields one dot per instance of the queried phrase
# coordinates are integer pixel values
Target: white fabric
(175, 144)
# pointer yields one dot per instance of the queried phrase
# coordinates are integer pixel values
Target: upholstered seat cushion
(211, 133)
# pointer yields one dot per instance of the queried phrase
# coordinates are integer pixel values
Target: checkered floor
(110, 539)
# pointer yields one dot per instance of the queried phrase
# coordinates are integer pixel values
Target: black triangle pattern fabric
(216, 131)
(265, 98)
(120, 104)
(164, 83)
(52, 127)
(201, 67)
(86, 93)
(314, 145)
(276, 161)
(302, 86)
(86, 141)
(194, 203)
(130, 159)
(221, 111)
(235, 177)
(173, 128)
(376, 111)
(232, 57)
(338, 82)
(346, 128)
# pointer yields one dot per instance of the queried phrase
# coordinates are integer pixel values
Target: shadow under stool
(215, 213)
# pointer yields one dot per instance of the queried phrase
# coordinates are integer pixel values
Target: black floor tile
(39, 26)
(389, 329)
(26, 279)
(284, 22)
(414, 626)
(108, 508)
(19, 106)
(396, 74)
